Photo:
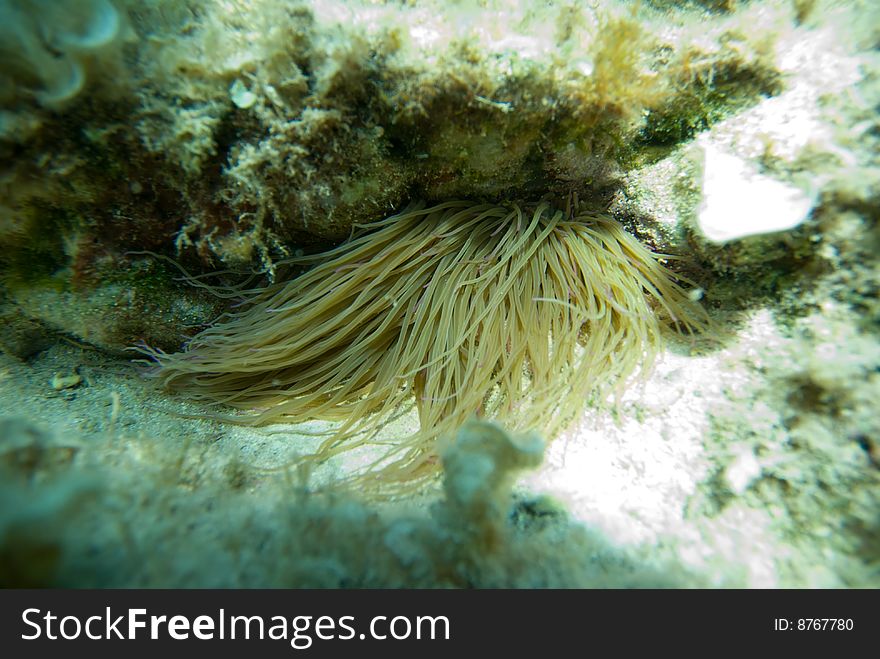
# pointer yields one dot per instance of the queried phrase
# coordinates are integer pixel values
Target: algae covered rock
(236, 134)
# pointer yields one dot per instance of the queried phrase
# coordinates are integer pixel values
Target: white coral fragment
(739, 202)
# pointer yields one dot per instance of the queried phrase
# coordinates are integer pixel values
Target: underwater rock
(99, 528)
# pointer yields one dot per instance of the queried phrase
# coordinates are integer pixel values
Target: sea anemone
(521, 314)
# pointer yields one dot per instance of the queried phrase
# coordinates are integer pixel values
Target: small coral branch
(479, 467)
(523, 314)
